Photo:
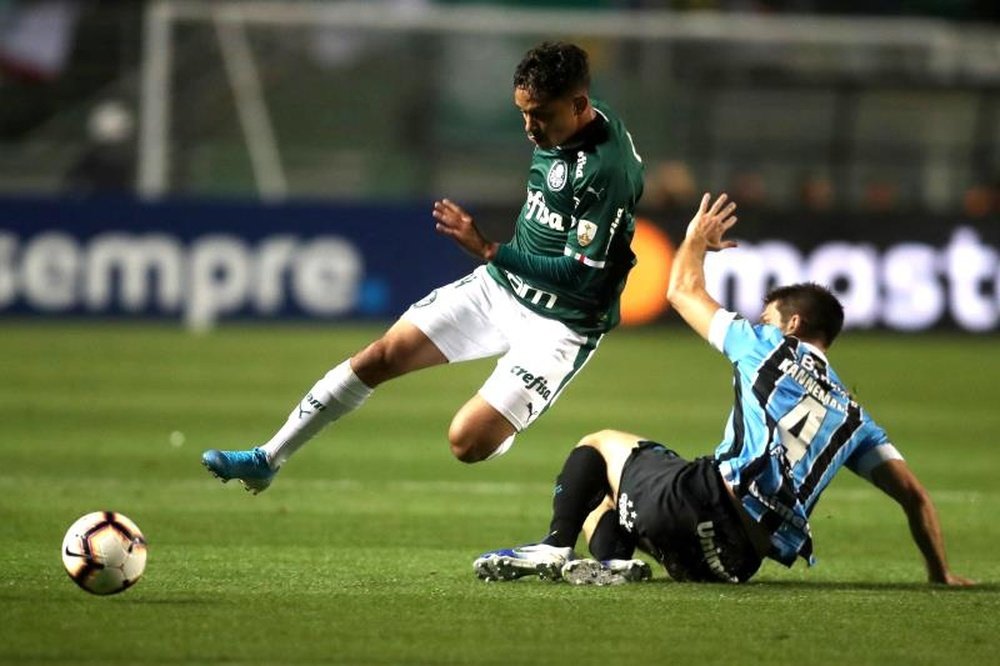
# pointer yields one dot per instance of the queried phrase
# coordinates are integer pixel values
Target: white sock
(337, 393)
(502, 449)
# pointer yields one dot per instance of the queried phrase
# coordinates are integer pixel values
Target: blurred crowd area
(831, 125)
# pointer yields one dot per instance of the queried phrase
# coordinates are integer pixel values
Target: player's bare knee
(467, 447)
(468, 450)
(596, 439)
(466, 454)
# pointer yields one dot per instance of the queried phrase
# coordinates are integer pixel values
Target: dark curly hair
(821, 313)
(553, 69)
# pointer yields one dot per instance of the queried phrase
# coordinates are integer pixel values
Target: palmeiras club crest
(557, 175)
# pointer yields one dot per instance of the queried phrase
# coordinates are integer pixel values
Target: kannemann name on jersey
(580, 203)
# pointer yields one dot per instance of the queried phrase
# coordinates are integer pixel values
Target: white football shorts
(476, 318)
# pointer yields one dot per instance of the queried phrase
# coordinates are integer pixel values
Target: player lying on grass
(793, 425)
(542, 302)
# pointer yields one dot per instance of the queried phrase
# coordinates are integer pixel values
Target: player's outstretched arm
(895, 479)
(453, 221)
(687, 293)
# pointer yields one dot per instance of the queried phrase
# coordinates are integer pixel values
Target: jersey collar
(593, 133)
(814, 350)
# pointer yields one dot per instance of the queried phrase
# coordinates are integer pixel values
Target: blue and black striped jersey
(793, 425)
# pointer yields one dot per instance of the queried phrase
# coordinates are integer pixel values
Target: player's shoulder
(601, 160)
(609, 141)
(736, 337)
(739, 327)
(608, 115)
(610, 152)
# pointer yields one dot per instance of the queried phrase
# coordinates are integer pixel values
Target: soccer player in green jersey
(541, 302)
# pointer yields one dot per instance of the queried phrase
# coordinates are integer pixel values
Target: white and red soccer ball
(104, 552)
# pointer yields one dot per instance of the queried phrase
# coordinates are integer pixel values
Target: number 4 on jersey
(799, 426)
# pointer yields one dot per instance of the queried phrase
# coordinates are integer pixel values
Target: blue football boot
(250, 467)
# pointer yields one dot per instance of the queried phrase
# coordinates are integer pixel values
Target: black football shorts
(681, 513)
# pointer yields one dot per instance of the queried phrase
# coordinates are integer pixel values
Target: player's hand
(454, 222)
(710, 223)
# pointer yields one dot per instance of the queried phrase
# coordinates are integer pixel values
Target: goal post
(930, 49)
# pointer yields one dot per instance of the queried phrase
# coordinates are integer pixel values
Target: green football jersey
(570, 253)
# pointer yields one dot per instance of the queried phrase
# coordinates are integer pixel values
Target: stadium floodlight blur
(395, 100)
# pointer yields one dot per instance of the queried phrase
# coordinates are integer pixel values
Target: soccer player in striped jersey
(541, 302)
(793, 426)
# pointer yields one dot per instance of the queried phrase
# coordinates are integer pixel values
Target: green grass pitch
(361, 552)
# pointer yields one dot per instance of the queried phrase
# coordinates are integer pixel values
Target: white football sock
(337, 393)
(502, 449)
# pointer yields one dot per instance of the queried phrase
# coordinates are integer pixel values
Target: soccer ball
(104, 552)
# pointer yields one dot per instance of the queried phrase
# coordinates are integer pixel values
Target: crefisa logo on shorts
(557, 175)
(532, 382)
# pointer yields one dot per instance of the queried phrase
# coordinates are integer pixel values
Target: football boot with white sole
(250, 467)
(537, 559)
(608, 572)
